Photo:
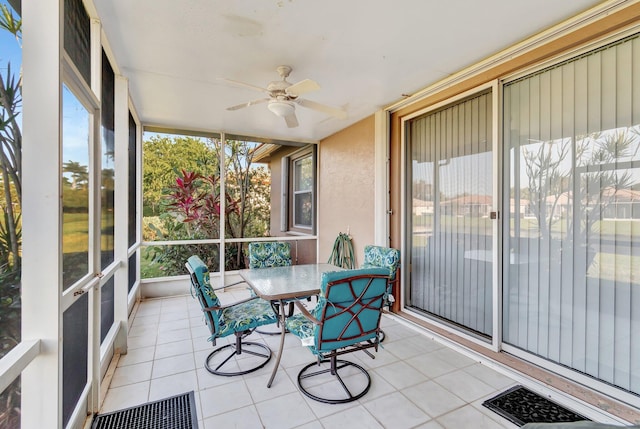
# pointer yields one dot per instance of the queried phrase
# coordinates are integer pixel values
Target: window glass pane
(75, 340)
(572, 142)
(108, 168)
(302, 209)
(75, 189)
(133, 271)
(132, 186)
(106, 308)
(169, 260)
(303, 214)
(10, 405)
(77, 37)
(303, 175)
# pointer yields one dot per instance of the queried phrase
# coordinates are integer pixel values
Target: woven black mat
(177, 412)
(520, 405)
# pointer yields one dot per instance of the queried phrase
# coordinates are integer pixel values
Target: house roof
(364, 54)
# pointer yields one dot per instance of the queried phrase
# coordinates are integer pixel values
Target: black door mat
(177, 412)
(520, 405)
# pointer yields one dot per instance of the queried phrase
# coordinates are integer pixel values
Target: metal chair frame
(239, 346)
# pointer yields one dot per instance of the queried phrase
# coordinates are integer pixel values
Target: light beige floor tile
(175, 335)
(409, 347)
(430, 365)
(396, 411)
(173, 365)
(174, 348)
(430, 425)
(125, 396)
(131, 374)
(257, 385)
(401, 375)
(489, 376)
(353, 418)
(134, 356)
(225, 398)
(463, 416)
(138, 342)
(453, 357)
(244, 418)
(464, 385)
(432, 398)
(172, 385)
(284, 412)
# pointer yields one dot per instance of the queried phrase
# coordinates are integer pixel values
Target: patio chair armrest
(306, 313)
(232, 304)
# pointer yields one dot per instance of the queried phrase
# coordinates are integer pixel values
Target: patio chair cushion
(204, 283)
(378, 256)
(266, 254)
(244, 317)
(345, 325)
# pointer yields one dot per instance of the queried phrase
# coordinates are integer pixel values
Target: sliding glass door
(572, 171)
(450, 198)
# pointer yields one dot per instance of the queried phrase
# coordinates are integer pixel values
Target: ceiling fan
(283, 97)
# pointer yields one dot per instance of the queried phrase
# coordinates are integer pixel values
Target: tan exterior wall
(346, 188)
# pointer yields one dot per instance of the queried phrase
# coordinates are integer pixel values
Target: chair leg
(261, 351)
(360, 382)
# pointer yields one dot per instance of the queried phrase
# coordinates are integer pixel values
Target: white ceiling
(365, 54)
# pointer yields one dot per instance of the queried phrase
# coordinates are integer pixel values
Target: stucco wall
(346, 188)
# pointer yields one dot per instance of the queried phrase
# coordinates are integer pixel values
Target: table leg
(281, 316)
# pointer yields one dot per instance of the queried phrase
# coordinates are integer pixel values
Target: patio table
(280, 284)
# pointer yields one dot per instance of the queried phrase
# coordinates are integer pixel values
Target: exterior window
(301, 210)
(303, 192)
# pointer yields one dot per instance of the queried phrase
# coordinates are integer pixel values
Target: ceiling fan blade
(247, 104)
(245, 85)
(291, 120)
(302, 87)
(333, 111)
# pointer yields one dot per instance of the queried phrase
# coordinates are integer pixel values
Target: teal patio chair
(384, 257)
(240, 319)
(346, 319)
(266, 254)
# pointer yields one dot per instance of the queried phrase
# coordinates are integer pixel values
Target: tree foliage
(186, 198)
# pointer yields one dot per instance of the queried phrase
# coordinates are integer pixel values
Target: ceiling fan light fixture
(282, 108)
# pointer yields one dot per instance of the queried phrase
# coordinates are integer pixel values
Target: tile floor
(416, 382)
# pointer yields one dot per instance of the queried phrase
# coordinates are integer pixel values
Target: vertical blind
(572, 166)
(450, 169)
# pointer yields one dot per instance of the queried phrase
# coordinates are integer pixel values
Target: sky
(10, 50)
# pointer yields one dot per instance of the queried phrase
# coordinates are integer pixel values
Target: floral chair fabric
(349, 310)
(229, 319)
(378, 256)
(266, 254)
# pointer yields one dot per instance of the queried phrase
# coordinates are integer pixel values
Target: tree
(164, 156)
